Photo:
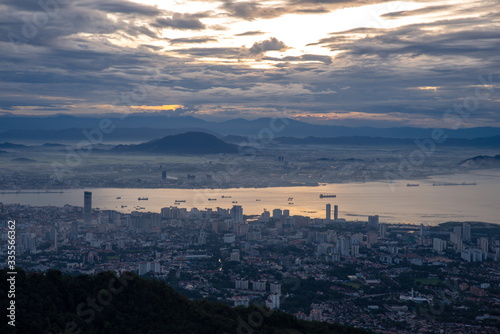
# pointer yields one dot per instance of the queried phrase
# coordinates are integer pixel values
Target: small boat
(258, 200)
(124, 206)
(118, 197)
(142, 199)
(180, 200)
(290, 198)
(327, 196)
(212, 199)
(290, 203)
(413, 185)
(226, 196)
(234, 202)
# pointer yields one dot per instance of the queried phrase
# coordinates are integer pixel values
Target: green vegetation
(54, 302)
(356, 286)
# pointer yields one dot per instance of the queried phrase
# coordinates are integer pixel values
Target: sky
(340, 62)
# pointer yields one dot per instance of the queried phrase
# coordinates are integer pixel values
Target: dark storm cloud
(179, 21)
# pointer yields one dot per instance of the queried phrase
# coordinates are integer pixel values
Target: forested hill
(54, 302)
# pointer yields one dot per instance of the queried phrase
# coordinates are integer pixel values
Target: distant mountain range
(367, 141)
(144, 127)
(186, 143)
(482, 161)
(12, 145)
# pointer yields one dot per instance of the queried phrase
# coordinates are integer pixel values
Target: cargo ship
(142, 199)
(327, 196)
(455, 184)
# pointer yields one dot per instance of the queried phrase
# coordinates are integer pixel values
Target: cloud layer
(394, 64)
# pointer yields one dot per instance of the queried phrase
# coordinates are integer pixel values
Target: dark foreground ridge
(186, 143)
(54, 302)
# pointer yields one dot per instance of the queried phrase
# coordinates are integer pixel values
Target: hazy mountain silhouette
(186, 143)
(12, 145)
(239, 126)
(482, 161)
(369, 141)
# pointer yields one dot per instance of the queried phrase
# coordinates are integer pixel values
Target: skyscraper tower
(382, 230)
(237, 213)
(466, 232)
(328, 211)
(335, 212)
(87, 207)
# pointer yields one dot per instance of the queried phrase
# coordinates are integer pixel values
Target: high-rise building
(328, 214)
(74, 229)
(455, 238)
(459, 246)
(237, 213)
(371, 239)
(344, 246)
(146, 267)
(235, 256)
(482, 243)
(286, 213)
(55, 240)
(316, 315)
(355, 250)
(273, 302)
(275, 288)
(277, 213)
(335, 212)
(382, 230)
(241, 284)
(438, 245)
(259, 285)
(466, 232)
(373, 220)
(87, 207)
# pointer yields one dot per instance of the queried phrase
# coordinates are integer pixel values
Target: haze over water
(393, 202)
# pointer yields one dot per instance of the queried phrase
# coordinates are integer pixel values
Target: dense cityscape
(250, 167)
(381, 277)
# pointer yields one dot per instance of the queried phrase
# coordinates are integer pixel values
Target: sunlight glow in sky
(370, 62)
